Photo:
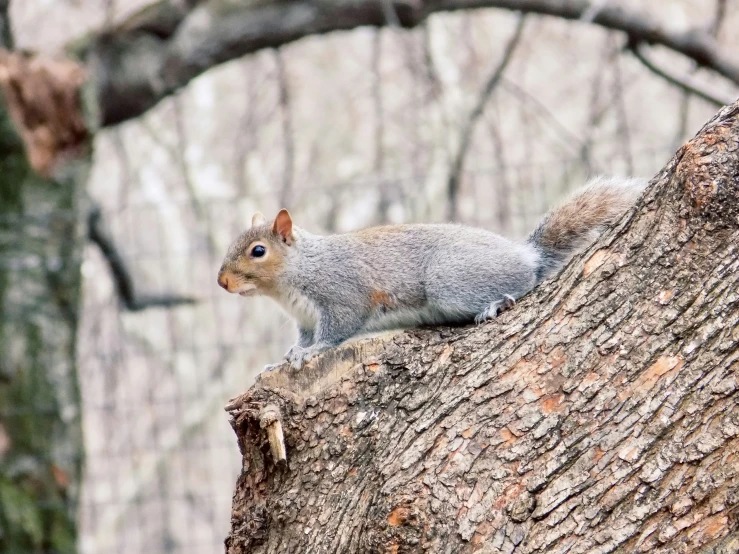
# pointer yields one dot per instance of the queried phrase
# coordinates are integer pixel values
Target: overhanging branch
(163, 47)
(685, 82)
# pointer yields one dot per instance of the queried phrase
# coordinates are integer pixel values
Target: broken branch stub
(271, 420)
(43, 99)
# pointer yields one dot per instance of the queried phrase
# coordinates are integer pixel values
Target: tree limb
(163, 47)
(124, 284)
(288, 137)
(685, 82)
(718, 18)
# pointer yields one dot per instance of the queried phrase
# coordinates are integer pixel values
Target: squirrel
(389, 277)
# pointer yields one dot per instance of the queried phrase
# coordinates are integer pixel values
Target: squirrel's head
(257, 258)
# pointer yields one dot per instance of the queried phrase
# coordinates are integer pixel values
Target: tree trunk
(599, 415)
(41, 243)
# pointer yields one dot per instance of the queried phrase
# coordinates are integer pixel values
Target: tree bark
(599, 415)
(41, 240)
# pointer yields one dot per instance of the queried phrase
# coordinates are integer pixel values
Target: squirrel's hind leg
(495, 308)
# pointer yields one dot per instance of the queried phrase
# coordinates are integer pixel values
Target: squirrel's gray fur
(338, 286)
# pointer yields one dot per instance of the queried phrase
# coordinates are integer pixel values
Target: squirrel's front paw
(298, 356)
(270, 367)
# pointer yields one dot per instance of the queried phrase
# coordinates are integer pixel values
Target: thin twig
(287, 130)
(119, 271)
(502, 195)
(379, 163)
(685, 82)
(714, 28)
(179, 151)
(415, 107)
(622, 117)
(435, 85)
(598, 109)
(246, 137)
(466, 135)
(568, 138)
(388, 12)
(718, 18)
(683, 118)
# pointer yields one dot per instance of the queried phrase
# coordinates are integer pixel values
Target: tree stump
(599, 415)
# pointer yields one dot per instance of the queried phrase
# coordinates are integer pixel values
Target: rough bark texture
(41, 243)
(163, 47)
(599, 415)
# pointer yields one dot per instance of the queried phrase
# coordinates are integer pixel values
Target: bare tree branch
(119, 271)
(593, 10)
(718, 18)
(598, 108)
(466, 134)
(163, 47)
(246, 138)
(682, 125)
(567, 137)
(391, 18)
(503, 214)
(685, 101)
(378, 166)
(621, 116)
(435, 85)
(287, 130)
(685, 82)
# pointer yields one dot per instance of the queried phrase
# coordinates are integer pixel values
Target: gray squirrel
(338, 286)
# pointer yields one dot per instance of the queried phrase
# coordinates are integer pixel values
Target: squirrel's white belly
(301, 308)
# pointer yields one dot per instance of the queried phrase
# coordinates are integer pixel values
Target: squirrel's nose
(223, 281)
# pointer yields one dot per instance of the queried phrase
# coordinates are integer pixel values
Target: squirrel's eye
(258, 251)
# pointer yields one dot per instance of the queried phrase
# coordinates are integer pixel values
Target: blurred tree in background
(41, 241)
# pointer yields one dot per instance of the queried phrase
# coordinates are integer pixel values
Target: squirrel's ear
(258, 219)
(283, 226)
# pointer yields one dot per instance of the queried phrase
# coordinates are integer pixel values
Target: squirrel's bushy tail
(580, 219)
